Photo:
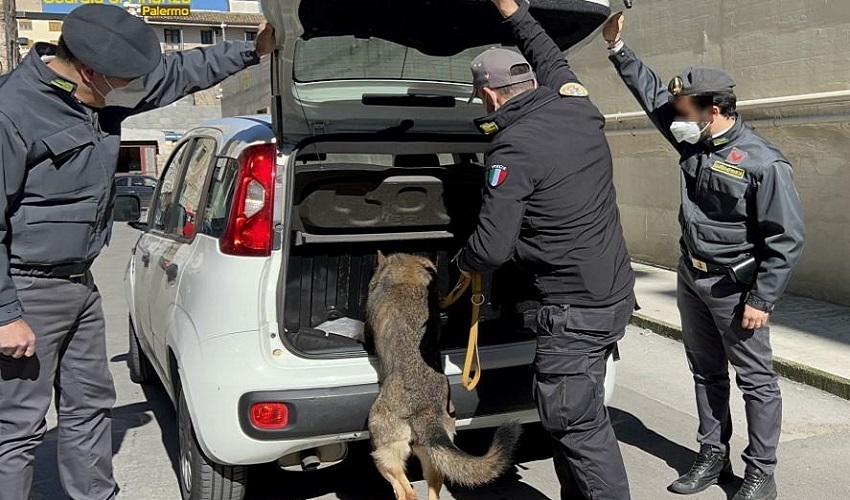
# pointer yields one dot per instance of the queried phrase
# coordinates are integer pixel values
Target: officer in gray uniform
(742, 233)
(60, 124)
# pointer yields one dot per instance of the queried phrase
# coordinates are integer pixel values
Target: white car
(247, 287)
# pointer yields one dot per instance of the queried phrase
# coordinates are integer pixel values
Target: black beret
(110, 40)
(700, 80)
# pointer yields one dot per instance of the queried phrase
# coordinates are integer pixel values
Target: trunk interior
(345, 212)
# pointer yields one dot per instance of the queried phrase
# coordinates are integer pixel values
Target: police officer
(550, 207)
(742, 233)
(60, 124)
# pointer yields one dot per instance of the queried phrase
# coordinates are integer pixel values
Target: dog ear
(428, 263)
(382, 259)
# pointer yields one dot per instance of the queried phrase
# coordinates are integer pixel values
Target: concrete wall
(774, 49)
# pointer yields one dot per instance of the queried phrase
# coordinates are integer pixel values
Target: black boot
(710, 467)
(757, 486)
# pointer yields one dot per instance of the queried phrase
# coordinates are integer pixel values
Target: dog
(413, 412)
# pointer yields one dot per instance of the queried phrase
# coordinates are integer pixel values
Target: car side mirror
(127, 207)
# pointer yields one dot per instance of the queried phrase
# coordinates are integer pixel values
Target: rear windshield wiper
(409, 100)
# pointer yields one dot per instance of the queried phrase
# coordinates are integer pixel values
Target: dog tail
(467, 470)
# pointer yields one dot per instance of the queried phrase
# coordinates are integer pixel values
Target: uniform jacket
(59, 157)
(549, 201)
(738, 193)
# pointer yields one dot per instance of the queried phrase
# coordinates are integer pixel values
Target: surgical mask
(689, 132)
(126, 97)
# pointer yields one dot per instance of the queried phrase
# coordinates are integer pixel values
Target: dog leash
(472, 361)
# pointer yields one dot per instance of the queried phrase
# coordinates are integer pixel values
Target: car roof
(237, 132)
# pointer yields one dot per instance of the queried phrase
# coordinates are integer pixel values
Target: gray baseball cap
(492, 69)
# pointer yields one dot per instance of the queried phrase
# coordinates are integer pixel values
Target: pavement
(653, 412)
(811, 338)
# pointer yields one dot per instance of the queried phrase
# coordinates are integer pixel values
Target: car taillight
(249, 225)
(269, 415)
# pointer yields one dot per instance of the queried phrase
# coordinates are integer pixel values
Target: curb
(813, 377)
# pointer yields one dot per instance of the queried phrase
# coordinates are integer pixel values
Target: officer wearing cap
(549, 208)
(60, 124)
(742, 233)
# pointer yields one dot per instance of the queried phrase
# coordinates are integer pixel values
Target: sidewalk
(811, 339)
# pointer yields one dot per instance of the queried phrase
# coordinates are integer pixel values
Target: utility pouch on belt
(743, 272)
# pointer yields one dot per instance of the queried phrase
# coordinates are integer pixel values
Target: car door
(147, 276)
(171, 256)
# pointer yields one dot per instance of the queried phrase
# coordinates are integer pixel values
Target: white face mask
(126, 97)
(687, 131)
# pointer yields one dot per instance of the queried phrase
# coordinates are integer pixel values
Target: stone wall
(248, 91)
(178, 117)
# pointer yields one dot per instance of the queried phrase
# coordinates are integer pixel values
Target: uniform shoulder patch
(496, 175)
(489, 127)
(63, 84)
(725, 168)
(573, 89)
(736, 156)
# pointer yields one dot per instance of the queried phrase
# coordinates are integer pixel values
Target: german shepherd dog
(412, 411)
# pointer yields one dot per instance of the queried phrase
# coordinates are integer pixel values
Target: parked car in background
(247, 287)
(140, 185)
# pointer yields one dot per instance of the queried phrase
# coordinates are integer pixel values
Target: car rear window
(350, 58)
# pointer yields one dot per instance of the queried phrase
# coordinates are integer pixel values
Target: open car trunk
(386, 71)
(344, 213)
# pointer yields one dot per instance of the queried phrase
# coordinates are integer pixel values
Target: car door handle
(171, 272)
(146, 258)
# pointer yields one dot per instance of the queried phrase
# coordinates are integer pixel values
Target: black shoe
(710, 467)
(757, 486)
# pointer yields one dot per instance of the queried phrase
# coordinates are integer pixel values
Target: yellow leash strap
(457, 292)
(469, 379)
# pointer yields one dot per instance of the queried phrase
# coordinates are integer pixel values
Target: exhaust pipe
(309, 460)
(313, 459)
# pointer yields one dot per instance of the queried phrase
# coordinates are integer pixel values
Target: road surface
(653, 411)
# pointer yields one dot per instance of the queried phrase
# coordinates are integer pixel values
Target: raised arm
(546, 58)
(182, 73)
(644, 83)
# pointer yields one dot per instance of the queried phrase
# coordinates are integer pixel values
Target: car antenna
(628, 3)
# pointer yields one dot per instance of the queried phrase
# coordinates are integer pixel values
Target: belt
(706, 267)
(67, 271)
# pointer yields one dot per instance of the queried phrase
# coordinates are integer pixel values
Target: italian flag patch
(497, 175)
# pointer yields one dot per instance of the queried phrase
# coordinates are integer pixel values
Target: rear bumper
(343, 410)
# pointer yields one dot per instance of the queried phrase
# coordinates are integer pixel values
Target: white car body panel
(216, 327)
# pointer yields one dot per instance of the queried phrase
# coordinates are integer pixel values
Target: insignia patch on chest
(573, 89)
(497, 175)
(736, 156)
(725, 168)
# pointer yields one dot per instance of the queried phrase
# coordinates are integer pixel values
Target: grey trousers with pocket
(67, 318)
(572, 347)
(711, 307)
